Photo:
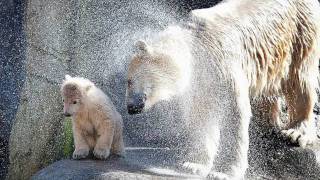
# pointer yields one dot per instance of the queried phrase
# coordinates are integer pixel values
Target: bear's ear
(142, 47)
(67, 77)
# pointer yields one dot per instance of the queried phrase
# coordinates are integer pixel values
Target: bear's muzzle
(137, 104)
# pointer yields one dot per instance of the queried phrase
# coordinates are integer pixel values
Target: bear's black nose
(138, 103)
(134, 109)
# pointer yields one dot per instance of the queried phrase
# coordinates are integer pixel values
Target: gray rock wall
(12, 58)
(36, 137)
(91, 39)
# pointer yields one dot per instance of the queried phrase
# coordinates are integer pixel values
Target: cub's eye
(62, 100)
(129, 83)
(74, 102)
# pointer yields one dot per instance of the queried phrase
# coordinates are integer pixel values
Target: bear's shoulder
(208, 14)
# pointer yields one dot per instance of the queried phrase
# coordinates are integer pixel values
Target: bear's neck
(197, 56)
(176, 43)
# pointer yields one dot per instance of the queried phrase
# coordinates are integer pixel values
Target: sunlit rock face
(91, 39)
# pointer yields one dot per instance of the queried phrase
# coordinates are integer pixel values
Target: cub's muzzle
(67, 114)
(136, 103)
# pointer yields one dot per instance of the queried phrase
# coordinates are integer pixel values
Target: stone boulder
(271, 162)
(271, 156)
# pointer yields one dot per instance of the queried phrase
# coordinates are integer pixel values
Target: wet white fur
(257, 46)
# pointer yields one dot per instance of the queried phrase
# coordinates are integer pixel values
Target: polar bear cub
(96, 124)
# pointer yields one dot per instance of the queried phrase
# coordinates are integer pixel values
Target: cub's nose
(67, 114)
(137, 104)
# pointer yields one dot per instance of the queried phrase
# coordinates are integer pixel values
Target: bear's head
(153, 75)
(73, 91)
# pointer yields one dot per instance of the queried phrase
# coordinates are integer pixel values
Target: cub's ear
(142, 47)
(73, 87)
(88, 87)
(67, 77)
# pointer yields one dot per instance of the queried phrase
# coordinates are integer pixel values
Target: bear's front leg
(235, 133)
(206, 142)
(81, 147)
(207, 154)
(105, 137)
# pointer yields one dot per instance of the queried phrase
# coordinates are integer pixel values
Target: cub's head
(73, 91)
(152, 76)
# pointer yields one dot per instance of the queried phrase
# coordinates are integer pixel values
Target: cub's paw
(80, 153)
(197, 169)
(300, 137)
(101, 153)
(218, 176)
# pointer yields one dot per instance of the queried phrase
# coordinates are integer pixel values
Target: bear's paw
(218, 176)
(196, 168)
(302, 135)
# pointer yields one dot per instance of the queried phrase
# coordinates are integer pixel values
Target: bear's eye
(129, 83)
(62, 100)
(74, 102)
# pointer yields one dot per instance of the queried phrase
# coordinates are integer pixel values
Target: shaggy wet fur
(233, 52)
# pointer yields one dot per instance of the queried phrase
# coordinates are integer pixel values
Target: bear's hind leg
(300, 101)
(275, 110)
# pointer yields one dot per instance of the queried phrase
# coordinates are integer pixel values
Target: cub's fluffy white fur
(96, 123)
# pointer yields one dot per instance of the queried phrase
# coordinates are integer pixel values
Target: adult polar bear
(228, 54)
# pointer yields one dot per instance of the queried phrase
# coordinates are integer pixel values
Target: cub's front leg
(81, 147)
(105, 135)
(118, 144)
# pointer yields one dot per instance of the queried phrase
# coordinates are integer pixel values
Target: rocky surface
(140, 163)
(277, 162)
(271, 156)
